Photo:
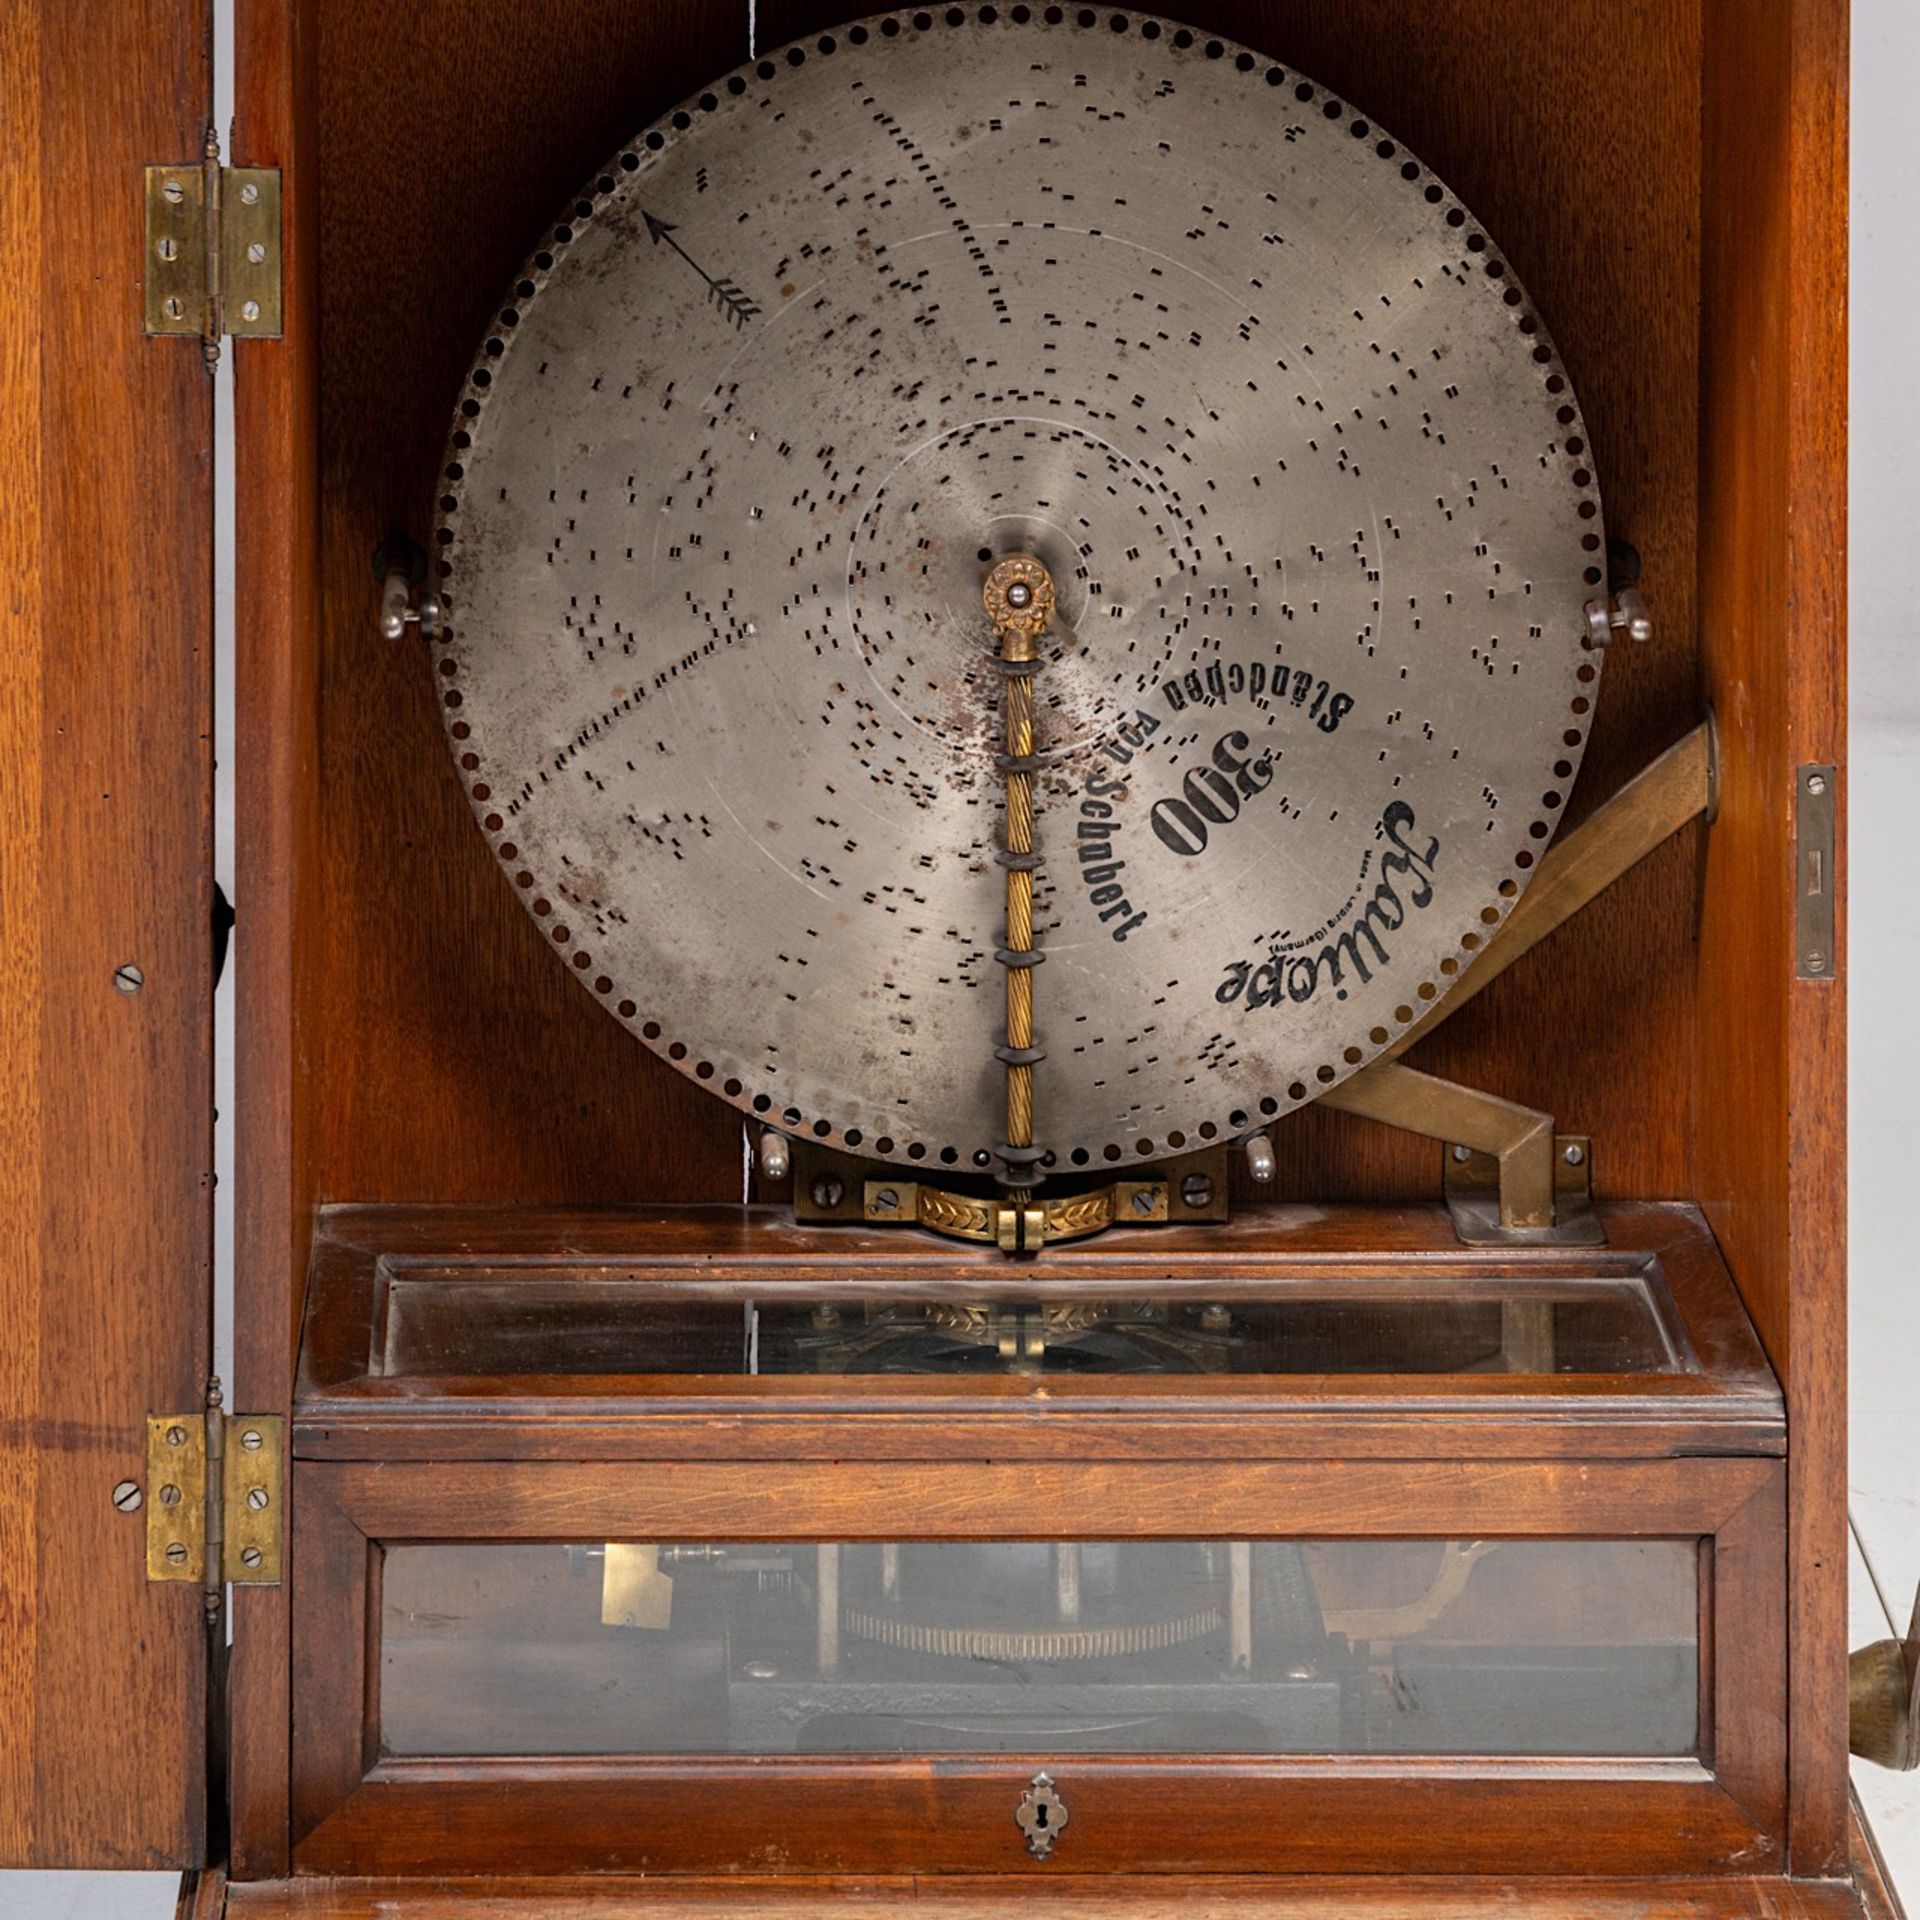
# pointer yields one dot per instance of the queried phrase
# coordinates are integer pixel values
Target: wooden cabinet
(456, 1176)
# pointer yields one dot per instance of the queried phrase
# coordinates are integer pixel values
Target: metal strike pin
(1260, 1163)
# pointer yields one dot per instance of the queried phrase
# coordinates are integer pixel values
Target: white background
(1884, 798)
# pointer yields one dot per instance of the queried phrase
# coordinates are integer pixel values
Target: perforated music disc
(932, 289)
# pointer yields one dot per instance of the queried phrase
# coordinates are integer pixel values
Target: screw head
(256, 251)
(828, 1191)
(177, 1554)
(127, 1496)
(173, 193)
(1461, 1155)
(253, 1440)
(1816, 783)
(257, 1499)
(176, 1436)
(168, 249)
(250, 194)
(887, 1200)
(1143, 1201)
(1573, 1153)
(1196, 1189)
(251, 1557)
(250, 310)
(129, 979)
(1816, 962)
(169, 1495)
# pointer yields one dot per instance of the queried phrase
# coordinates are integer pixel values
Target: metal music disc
(929, 290)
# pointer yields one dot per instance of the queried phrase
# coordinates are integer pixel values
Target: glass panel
(1376, 1646)
(441, 1321)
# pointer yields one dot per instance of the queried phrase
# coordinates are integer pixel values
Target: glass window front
(439, 1322)
(1571, 1647)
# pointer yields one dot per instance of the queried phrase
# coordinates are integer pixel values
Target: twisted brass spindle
(1019, 600)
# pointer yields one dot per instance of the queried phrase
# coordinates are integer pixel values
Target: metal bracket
(1623, 612)
(215, 1499)
(406, 598)
(1472, 1182)
(213, 260)
(1510, 1180)
(1813, 897)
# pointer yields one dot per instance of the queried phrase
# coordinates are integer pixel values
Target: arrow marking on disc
(732, 300)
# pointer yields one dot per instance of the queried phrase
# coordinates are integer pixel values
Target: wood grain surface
(1734, 1896)
(1667, 177)
(106, 770)
(278, 1036)
(1770, 1153)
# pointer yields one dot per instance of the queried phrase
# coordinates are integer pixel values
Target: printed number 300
(1210, 796)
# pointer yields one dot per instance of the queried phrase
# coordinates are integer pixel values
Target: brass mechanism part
(213, 250)
(1508, 1175)
(1119, 1642)
(634, 1591)
(1653, 806)
(1018, 596)
(215, 1498)
(1535, 1174)
(1883, 1700)
(830, 1186)
(1457, 1562)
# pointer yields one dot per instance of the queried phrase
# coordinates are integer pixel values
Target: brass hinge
(213, 250)
(214, 1500)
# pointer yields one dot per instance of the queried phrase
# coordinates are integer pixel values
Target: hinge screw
(169, 1495)
(177, 1554)
(257, 1499)
(129, 979)
(252, 1440)
(173, 193)
(176, 1436)
(249, 194)
(250, 1557)
(126, 1496)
